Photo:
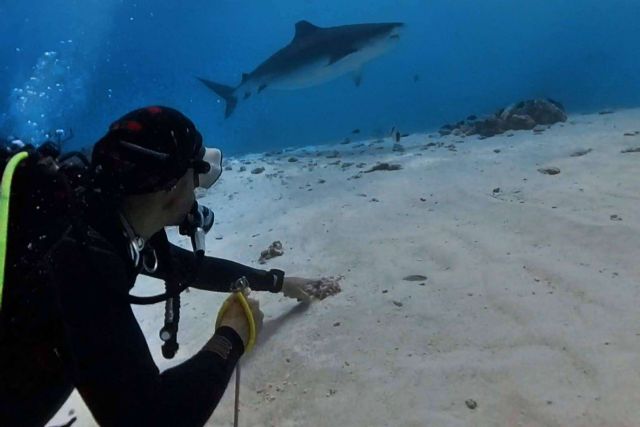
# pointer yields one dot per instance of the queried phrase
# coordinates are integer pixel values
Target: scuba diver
(143, 174)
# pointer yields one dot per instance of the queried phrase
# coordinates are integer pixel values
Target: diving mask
(208, 166)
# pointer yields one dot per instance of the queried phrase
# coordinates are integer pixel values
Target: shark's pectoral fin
(357, 77)
(245, 77)
(338, 55)
(262, 87)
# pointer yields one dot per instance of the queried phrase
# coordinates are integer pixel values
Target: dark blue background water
(471, 58)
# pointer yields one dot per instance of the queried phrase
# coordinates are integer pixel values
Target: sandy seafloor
(530, 306)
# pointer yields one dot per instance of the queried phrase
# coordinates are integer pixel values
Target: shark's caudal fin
(224, 92)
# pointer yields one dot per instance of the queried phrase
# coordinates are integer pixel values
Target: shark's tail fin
(225, 92)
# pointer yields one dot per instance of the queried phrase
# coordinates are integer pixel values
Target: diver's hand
(294, 287)
(236, 318)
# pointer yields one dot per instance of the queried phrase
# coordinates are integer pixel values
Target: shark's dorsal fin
(304, 28)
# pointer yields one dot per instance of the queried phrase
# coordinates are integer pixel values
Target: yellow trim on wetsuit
(5, 194)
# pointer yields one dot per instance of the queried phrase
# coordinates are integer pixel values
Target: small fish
(416, 78)
(355, 131)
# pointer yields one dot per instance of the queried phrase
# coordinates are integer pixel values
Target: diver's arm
(109, 360)
(217, 274)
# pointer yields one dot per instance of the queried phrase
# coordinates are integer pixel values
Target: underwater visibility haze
(80, 64)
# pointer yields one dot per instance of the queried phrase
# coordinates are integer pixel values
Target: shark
(314, 56)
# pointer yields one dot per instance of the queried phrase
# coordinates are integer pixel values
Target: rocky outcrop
(524, 115)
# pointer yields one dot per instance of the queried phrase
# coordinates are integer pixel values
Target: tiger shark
(315, 55)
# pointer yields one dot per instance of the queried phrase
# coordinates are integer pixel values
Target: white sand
(530, 307)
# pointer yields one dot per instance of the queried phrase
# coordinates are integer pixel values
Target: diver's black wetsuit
(100, 349)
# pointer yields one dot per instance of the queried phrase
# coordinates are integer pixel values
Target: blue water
(82, 63)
